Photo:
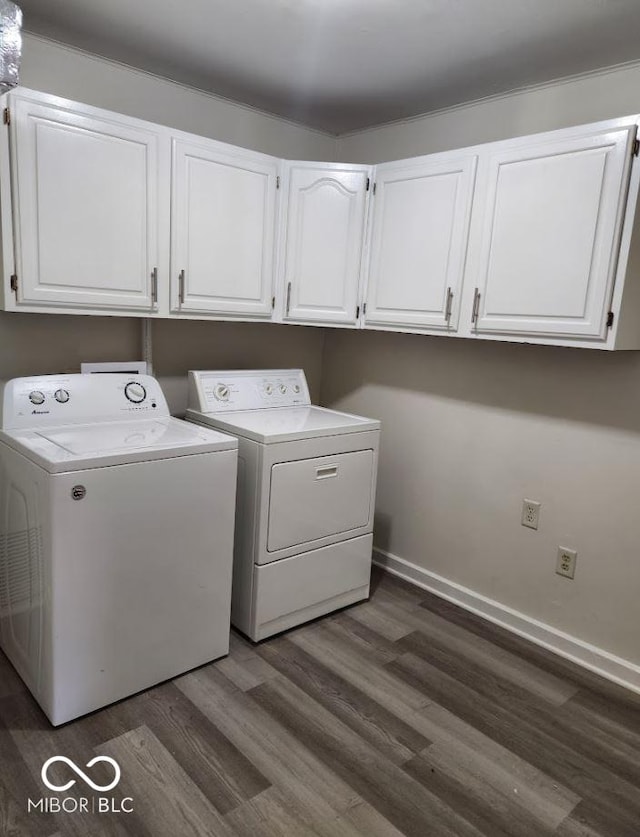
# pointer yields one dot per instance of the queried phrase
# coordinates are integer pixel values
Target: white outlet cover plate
(530, 514)
(566, 563)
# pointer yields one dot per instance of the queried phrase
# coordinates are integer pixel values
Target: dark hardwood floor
(402, 715)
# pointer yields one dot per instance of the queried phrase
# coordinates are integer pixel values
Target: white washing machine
(306, 492)
(116, 539)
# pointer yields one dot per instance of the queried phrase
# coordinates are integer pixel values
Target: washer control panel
(48, 400)
(226, 391)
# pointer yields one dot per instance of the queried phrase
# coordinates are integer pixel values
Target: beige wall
(471, 428)
(62, 71)
(38, 343)
(588, 98)
(180, 345)
(33, 344)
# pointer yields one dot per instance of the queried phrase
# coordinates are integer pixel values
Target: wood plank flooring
(404, 715)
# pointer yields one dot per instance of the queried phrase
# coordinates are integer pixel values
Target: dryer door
(320, 497)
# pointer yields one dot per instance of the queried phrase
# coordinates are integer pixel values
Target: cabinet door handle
(154, 286)
(288, 298)
(476, 307)
(181, 287)
(449, 303)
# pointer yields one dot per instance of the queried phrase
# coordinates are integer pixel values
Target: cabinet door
(223, 228)
(421, 212)
(323, 240)
(551, 217)
(85, 208)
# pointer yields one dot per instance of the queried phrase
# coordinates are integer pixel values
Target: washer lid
(75, 447)
(285, 424)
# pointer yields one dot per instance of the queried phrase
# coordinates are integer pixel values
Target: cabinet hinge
(14, 283)
(368, 183)
(636, 147)
(273, 302)
(610, 319)
(6, 116)
(278, 181)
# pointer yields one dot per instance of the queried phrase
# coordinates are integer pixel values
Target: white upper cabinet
(322, 241)
(223, 216)
(534, 239)
(421, 213)
(549, 215)
(85, 211)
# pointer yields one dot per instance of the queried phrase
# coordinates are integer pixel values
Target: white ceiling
(340, 65)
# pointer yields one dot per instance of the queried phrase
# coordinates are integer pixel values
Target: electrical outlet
(566, 564)
(530, 513)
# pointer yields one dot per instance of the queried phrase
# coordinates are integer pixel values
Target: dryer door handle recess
(326, 471)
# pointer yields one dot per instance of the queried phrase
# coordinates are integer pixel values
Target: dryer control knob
(283, 388)
(268, 389)
(222, 392)
(36, 397)
(135, 392)
(296, 388)
(61, 395)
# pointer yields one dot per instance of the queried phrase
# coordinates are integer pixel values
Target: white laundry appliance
(306, 492)
(116, 539)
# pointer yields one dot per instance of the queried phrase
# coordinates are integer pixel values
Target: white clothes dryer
(116, 539)
(306, 494)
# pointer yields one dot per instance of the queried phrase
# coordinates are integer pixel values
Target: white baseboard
(622, 672)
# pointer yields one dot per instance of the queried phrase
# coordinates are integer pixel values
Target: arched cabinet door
(322, 241)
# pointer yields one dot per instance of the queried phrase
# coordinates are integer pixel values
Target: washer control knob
(283, 388)
(61, 395)
(36, 397)
(135, 392)
(268, 389)
(222, 392)
(296, 388)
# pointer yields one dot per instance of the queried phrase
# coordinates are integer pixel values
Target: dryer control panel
(256, 389)
(48, 400)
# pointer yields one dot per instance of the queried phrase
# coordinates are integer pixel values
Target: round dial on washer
(222, 392)
(61, 395)
(283, 388)
(296, 388)
(268, 389)
(36, 397)
(135, 392)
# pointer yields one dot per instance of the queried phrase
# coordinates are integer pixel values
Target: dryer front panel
(310, 493)
(305, 586)
(320, 497)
